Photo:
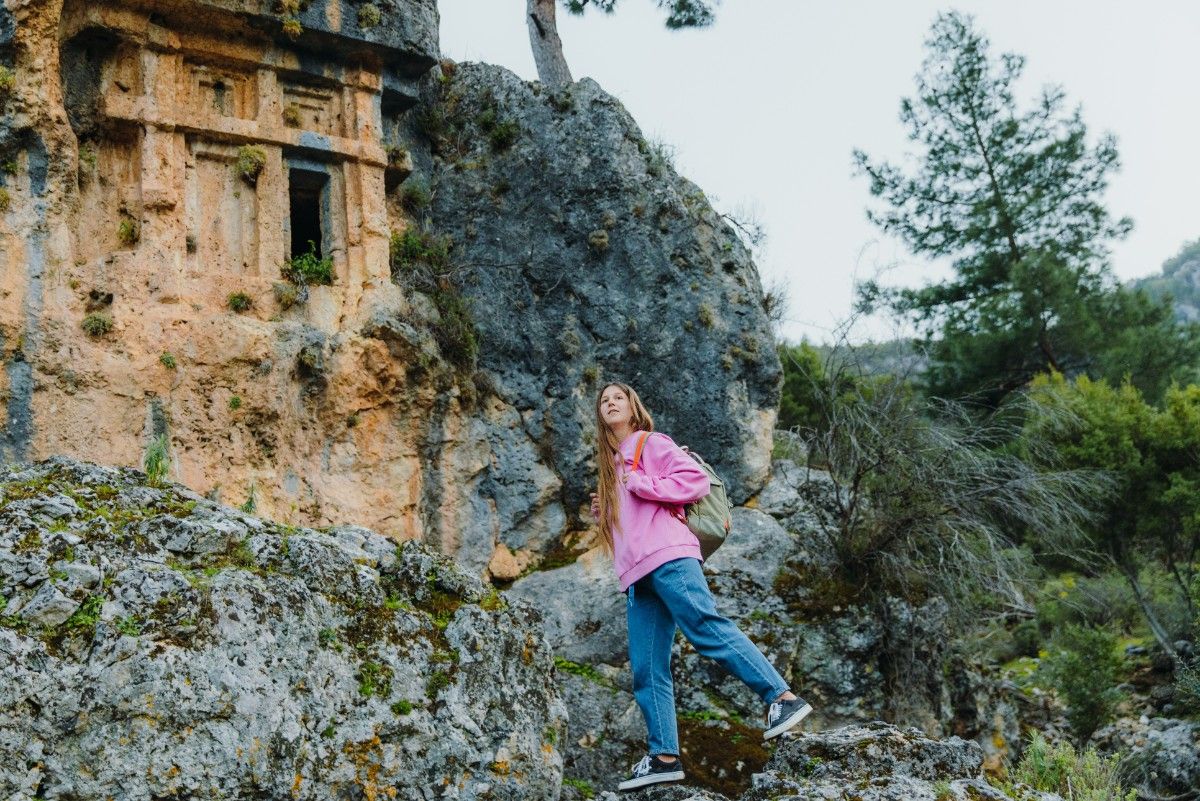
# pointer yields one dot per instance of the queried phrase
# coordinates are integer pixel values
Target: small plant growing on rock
(287, 295)
(291, 115)
(414, 196)
(239, 301)
(504, 134)
(251, 498)
(5, 199)
(167, 360)
(402, 707)
(156, 461)
(309, 268)
(659, 157)
(598, 240)
(9, 167)
(127, 232)
(369, 16)
(250, 163)
(97, 324)
(87, 156)
(129, 626)
(8, 80)
(706, 315)
(86, 616)
(375, 679)
(292, 28)
(235, 403)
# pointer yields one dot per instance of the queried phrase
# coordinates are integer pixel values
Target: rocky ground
(156, 644)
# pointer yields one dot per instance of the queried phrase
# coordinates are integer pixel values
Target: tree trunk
(1156, 628)
(547, 47)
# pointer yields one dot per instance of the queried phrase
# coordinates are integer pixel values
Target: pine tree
(1015, 199)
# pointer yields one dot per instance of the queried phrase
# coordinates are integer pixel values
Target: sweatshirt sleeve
(671, 476)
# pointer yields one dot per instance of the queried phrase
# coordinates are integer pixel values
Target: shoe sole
(633, 784)
(784, 725)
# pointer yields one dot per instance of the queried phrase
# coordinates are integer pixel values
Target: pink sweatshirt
(651, 534)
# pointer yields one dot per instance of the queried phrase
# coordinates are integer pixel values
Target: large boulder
(589, 259)
(156, 644)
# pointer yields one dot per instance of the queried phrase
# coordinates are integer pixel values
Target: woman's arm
(671, 475)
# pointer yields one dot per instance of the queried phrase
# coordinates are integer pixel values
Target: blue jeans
(677, 594)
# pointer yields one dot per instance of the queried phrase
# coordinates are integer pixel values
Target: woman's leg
(651, 632)
(681, 586)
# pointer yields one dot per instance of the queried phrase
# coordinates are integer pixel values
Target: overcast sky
(764, 108)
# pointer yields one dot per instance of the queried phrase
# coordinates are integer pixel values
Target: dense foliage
(1014, 197)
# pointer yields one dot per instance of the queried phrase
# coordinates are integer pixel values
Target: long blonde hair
(607, 446)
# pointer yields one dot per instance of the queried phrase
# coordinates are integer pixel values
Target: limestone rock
(523, 179)
(875, 762)
(1161, 756)
(220, 654)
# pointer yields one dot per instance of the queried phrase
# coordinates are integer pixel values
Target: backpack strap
(637, 453)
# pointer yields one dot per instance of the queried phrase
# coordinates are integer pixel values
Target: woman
(657, 559)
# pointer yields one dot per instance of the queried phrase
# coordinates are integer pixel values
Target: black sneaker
(652, 770)
(783, 715)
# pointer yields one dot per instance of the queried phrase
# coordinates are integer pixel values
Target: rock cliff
(212, 233)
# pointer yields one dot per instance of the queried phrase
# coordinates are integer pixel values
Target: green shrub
(369, 16)
(167, 360)
(239, 301)
(97, 324)
(250, 163)
(86, 616)
(1059, 769)
(292, 28)
(414, 196)
(127, 232)
(598, 240)
(8, 80)
(5, 199)
(1084, 668)
(504, 134)
(156, 461)
(235, 403)
(421, 261)
(309, 268)
(291, 115)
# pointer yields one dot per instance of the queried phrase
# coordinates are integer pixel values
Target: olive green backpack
(708, 518)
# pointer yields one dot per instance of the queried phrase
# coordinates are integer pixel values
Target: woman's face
(614, 407)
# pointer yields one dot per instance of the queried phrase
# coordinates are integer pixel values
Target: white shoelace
(775, 711)
(642, 768)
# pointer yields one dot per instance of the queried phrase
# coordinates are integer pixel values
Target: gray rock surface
(155, 644)
(1160, 756)
(875, 761)
(590, 260)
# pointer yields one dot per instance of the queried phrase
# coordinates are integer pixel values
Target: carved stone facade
(168, 155)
